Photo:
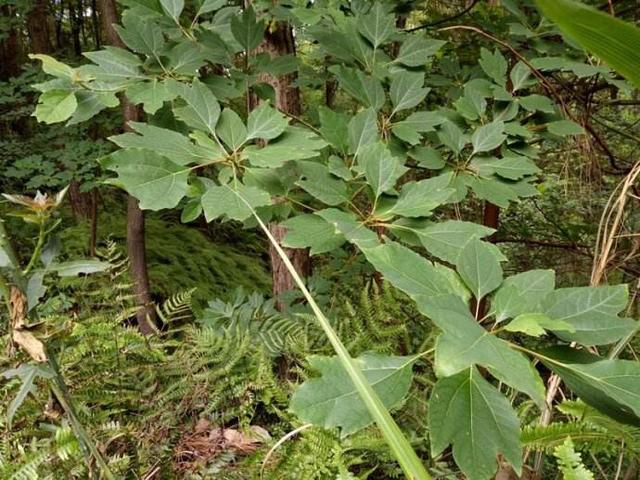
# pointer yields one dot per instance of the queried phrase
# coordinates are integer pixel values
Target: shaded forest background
(156, 399)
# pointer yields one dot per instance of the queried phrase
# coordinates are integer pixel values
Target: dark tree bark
(136, 246)
(95, 21)
(280, 41)
(58, 16)
(491, 219)
(75, 16)
(38, 28)
(10, 47)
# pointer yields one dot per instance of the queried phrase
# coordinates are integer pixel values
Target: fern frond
(540, 437)
(570, 462)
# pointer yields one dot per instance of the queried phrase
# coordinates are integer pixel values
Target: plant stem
(42, 235)
(400, 446)
(62, 394)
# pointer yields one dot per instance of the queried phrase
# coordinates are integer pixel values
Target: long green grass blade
(614, 41)
(400, 446)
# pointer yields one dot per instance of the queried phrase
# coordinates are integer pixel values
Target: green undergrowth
(180, 257)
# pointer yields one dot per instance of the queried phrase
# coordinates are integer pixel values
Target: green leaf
(410, 128)
(467, 412)
(53, 67)
(488, 137)
(416, 50)
(427, 157)
(346, 224)
(210, 6)
(311, 231)
(4, 257)
(294, 144)
(154, 180)
(494, 65)
(614, 41)
(464, 343)
(537, 103)
(592, 311)
(447, 239)
(231, 129)
(140, 34)
(381, 169)
(364, 88)
(511, 168)
(27, 372)
(74, 268)
(564, 128)
(493, 189)
(536, 324)
(362, 130)
(334, 127)
(318, 181)
(407, 270)
(424, 121)
(610, 386)
(187, 57)
(173, 8)
(90, 104)
(522, 293)
(378, 25)
(407, 90)
(202, 110)
(332, 400)
(55, 106)
(231, 201)
(479, 268)
(266, 122)
(247, 30)
(451, 136)
(519, 76)
(151, 94)
(169, 143)
(418, 199)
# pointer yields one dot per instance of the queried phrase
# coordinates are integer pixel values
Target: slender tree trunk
(491, 219)
(135, 216)
(80, 14)
(280, 41)
(58, 16)
(10, 46)
(75, 15)
(95, 20)
(38, 28)
(93, 239)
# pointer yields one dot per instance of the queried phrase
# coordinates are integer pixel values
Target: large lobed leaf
(610, 386)
(154, 180)
(333, 401)
(467, 412)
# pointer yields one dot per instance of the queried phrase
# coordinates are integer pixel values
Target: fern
(547, 437)
(175, 311)
(257, 318)
(570, 462)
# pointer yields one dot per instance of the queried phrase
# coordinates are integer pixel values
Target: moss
(181, 257)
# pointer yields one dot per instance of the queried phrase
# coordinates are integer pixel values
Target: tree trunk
(95, 20)
(136, 246)
(10, 46)
(75, 15)
(280, 41)
(491, 219)
(38, 27)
